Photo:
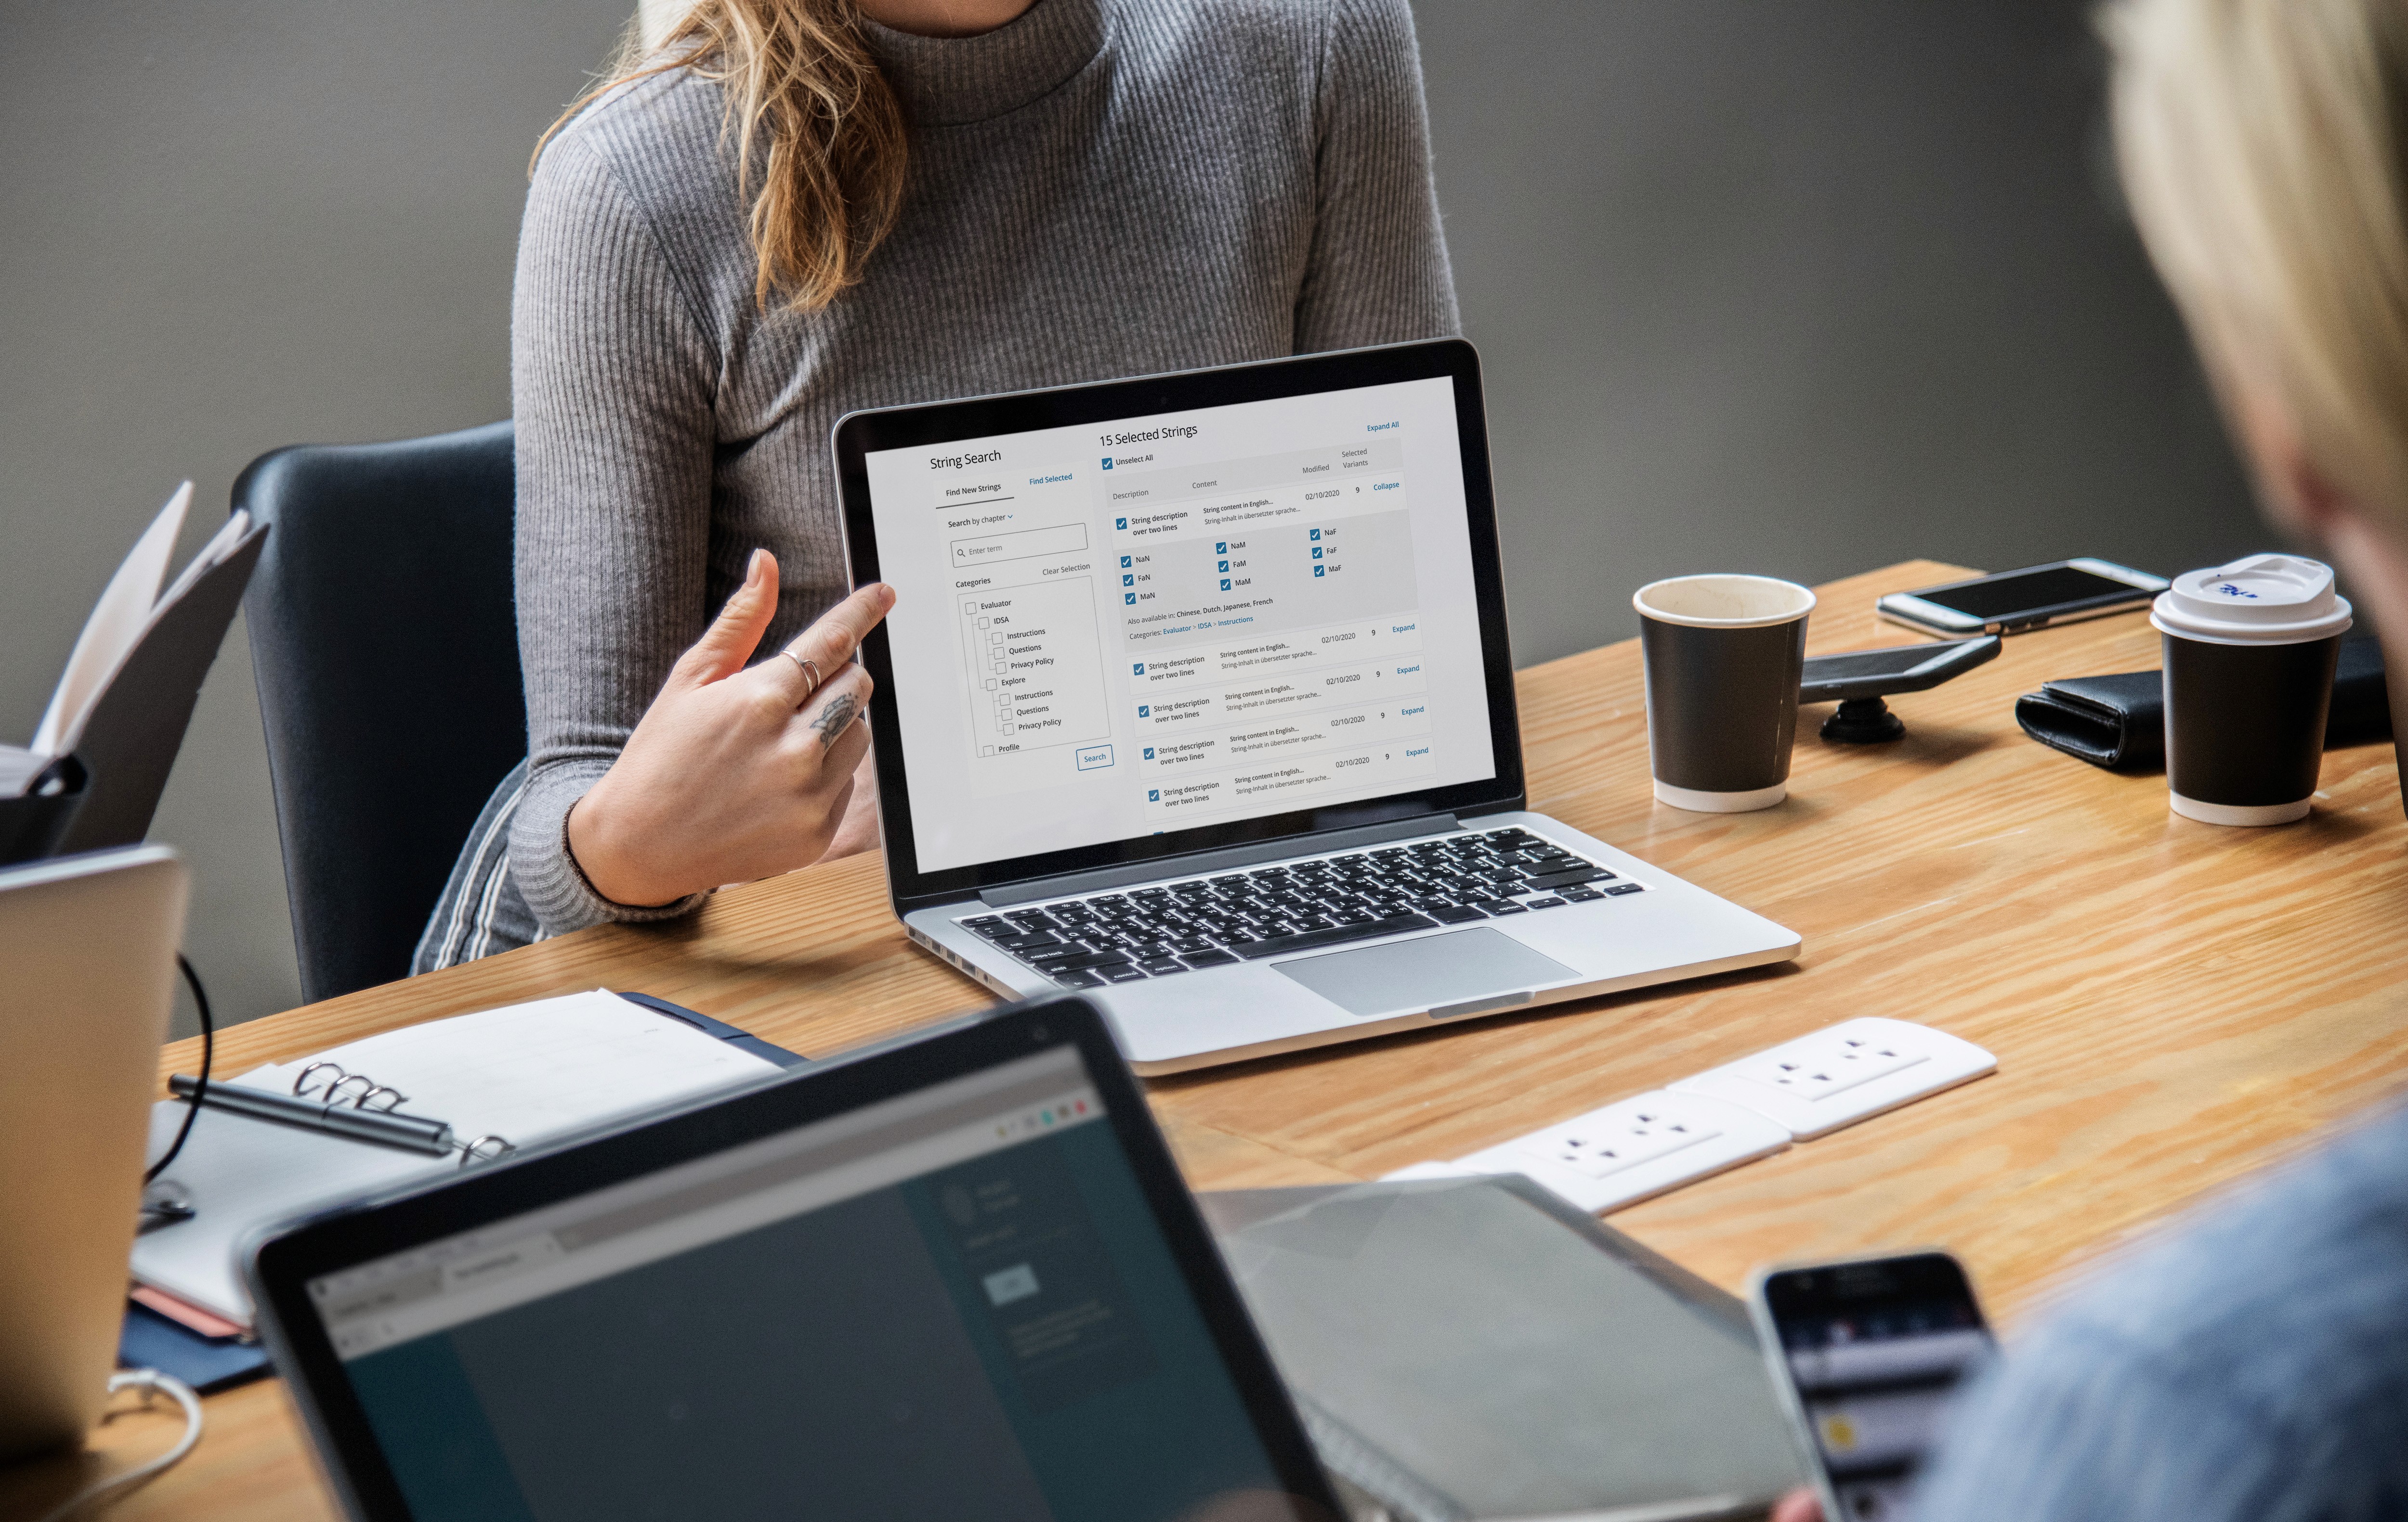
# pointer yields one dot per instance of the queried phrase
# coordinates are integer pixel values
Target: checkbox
(1137, 669)
(1225, 583)
(1149, 752)
(1145, 710)
(1125, 562)
(1153, 795)
(1317, 570)
(1223, 567)
(1120, 522)
(1129, 597)
(984, 623)
(990, 684)
(986, 751)
(971, 608)
(1312, 534)
(994, 639)
(1316, 552)
(1128, 580)
(1007, 729)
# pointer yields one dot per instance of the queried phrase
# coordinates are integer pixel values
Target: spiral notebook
(527, 1073)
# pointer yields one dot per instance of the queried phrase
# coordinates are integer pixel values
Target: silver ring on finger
(809, 668)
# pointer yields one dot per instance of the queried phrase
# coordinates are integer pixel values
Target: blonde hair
(2261, 147)
(820, 147)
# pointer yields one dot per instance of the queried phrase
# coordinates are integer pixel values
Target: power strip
(1637, 1149)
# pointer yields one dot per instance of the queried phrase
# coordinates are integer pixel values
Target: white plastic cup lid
(2256, 600)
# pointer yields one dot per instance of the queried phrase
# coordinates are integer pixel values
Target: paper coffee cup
(1723, 655)
(2249, 655)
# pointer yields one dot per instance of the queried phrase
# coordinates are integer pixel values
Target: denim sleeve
(2253, 1364)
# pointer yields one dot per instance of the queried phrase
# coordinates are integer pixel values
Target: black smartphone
(1867, 1355)
(1882, 673)
(2011, 602)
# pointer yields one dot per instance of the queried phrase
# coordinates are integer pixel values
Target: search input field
(1022, 544)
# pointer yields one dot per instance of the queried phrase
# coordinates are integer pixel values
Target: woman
(2254, 1363)
(793, 209)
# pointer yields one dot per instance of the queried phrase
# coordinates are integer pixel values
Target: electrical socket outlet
(1843, 1073)
(1635, 1148)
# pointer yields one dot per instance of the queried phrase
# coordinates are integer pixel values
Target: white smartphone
(1867, 1355)
(2011, 602)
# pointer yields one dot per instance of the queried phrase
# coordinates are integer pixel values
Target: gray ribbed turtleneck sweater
(1102, 188)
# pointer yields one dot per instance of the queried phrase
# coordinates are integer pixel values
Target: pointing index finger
(831, 641)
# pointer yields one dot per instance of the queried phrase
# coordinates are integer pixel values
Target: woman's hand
(1799, 1506)
(736, 774)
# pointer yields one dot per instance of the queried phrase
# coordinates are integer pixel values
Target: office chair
(387, 655)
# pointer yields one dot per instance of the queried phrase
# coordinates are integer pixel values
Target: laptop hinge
(1004, 895)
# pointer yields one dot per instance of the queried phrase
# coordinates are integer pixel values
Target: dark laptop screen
(954, 1304)
(1116, 629)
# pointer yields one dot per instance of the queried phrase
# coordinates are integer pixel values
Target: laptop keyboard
(1174, 928)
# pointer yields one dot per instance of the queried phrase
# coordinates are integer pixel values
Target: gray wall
(1798, 289)
(232, 225)
(1805, 288)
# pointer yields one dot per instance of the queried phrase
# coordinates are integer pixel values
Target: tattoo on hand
(834, 717)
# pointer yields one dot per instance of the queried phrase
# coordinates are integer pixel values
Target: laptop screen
(1188, 619)
(953, 1304)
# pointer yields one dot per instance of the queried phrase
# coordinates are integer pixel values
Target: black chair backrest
(387, 653)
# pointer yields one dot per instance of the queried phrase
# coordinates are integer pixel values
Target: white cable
(147, 1381)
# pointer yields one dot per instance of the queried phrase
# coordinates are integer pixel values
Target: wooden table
(2171, 1003)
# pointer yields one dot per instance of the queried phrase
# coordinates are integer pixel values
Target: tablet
(954, 1276)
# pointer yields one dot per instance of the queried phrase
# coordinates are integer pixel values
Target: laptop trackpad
(1430, 974)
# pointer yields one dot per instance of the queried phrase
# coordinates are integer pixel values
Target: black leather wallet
(2119, 721)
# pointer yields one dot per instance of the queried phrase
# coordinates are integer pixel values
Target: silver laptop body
(87, 947)
(1198, 698)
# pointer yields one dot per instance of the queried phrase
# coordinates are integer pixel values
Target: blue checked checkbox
(1145, 710)
(1149, 752)
(1107, 462)
(1153, 795)
(1312, 534)
(1317, 570)
(1316, 552)
(1129, 582)
(1124, 560)
(1120, 522)
(1220, 549)
(1225, 565)
(1129, 597)
(1137, 669)
(1225, 583)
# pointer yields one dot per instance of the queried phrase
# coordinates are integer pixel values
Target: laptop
(1197, 697)
(952, 1276)
(88, 943)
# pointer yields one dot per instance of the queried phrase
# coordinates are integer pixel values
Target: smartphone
(1898, 668)
(2034, 597)
(1867, 1355)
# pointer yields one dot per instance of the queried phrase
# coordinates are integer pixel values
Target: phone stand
(1863, 721)
(1858, 680)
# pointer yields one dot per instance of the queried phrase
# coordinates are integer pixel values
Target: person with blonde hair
(784, 211)
(2252, 1363)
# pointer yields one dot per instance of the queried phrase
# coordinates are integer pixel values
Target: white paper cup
(1723, 655)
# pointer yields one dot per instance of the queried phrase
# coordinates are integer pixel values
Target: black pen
(410, 1132)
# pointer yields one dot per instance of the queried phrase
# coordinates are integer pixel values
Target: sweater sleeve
(611, 382)
(1378, 270)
